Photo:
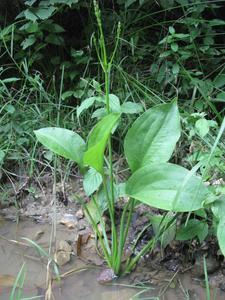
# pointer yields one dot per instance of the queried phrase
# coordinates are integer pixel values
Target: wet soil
(45, 217)
(81, 282)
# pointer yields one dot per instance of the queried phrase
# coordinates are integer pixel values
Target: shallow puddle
(78, 285)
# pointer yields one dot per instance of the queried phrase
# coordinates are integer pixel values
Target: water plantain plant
(148, 146)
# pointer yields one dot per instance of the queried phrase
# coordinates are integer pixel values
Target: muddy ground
(34, 210)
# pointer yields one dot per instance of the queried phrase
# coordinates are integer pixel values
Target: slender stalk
(112, 200)
(206, 279)
(106, 64)
(103, 227)
(94, 225)
(124, 231)
(132, 263)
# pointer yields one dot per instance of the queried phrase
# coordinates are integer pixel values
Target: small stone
(63, 252)
(106, 276)
(63, 246)
(79, 214)
(69, 220)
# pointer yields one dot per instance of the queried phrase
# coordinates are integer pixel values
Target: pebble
(63, 252)
(106, 276)
(79, 214)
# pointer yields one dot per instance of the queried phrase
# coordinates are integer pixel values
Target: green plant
(210, 219)
(148, 146)
(17, 289)
(208, 297)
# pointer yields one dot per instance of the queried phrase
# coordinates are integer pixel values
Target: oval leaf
(85, 105)
(97, 141)
(202, 127)
(114, 102)
(221, 235)
(131, 108)
(153, 136)
(63, 142)
(194, 228)
(92, 181)
(167, 186)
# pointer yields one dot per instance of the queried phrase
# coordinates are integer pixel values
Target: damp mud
(79, 274)
(50, 236)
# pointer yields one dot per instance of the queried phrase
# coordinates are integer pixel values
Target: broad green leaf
(101, 201)
(202, 127)
(167, 186)
(30, 2)
(131, 108)
(160, 223)
(203, 231)
(92, 181)
(95, 212)
(121, 189)
(216, 22)
(218, 207)
(114, 102)
(56, 28)
(153, 136)
(85, 105)
(194, 228)
(171, 30)
(63, 142)
(221, 235)
(28, 42)
(30, 27)
(96, 86)
(78, 93)
(97, 141)
(174, 47)
(175, 69)
(67, 2)
(67, 94)
(54, 39)
(220, 97)
(128, 3)
(10, 108)
(44, 12)
(29, 15)
(219, 81)
(35, 13)
(76, 53)
(99, 113)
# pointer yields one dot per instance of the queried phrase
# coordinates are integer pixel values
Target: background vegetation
(167, 49)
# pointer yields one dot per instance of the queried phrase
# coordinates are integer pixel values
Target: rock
(172, 265)
(69, 220)
(63, 252)
(106, 276)
(80, 214)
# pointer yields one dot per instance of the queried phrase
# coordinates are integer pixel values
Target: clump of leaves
(148, 146)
